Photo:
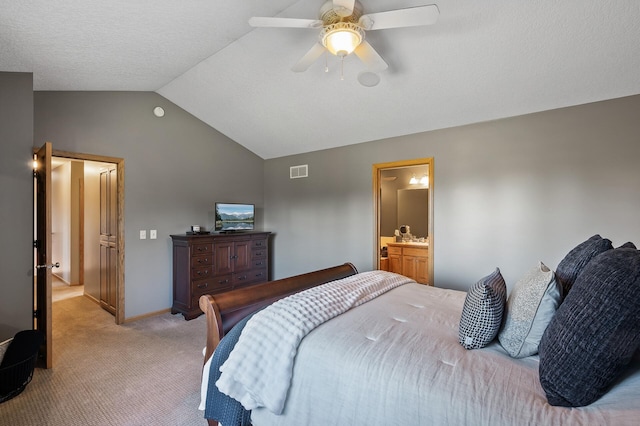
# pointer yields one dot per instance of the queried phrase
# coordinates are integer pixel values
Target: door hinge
(36, 313)
(35, 243)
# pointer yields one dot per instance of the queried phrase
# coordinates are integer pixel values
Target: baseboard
(93, 299)
(143, 316)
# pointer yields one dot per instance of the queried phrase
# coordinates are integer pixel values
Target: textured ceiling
(480, 61)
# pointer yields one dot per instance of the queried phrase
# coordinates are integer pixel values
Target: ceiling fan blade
(258, 21)
(309, 58)
(410, 17)
(370, 57)
(343, 8)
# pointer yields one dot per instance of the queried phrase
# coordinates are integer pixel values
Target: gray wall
(16, 207)
(507, 193)
(176, 167)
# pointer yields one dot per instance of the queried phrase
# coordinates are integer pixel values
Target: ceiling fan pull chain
(326, 61)
(342, 68)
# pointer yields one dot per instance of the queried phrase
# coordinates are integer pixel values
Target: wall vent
(296, 172)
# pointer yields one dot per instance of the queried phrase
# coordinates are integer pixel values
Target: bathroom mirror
(412, 210)
(404, 200)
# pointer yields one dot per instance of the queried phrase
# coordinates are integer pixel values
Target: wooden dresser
(409, 259)
(215, 263)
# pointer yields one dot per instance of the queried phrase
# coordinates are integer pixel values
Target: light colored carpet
(142, 373)
(61, 290)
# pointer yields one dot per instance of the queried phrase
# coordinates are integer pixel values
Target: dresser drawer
(210, 286)
(259, 263)
(252, 276)
(258, 253)
(201, 272)
(198, 249)
(259, 244)
(197, 261)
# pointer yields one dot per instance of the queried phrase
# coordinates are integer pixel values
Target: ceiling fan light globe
(342, 39)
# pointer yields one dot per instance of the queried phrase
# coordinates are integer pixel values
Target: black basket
(16, 376)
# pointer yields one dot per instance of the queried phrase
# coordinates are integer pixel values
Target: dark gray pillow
(574, 262)
(595, 332)
(628, 244)
(482, 311)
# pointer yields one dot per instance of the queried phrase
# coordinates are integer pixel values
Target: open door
(43, 252)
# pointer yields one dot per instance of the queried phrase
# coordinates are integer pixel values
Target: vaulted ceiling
(482, 60)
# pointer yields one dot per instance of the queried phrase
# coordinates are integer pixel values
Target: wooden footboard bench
(225, 310)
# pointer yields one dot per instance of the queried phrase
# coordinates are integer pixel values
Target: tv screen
(234, 217)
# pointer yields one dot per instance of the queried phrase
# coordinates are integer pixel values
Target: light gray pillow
(482, 311)
(530, 307)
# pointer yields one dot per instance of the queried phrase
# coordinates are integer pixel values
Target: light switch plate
(143, 234)
(153, 234)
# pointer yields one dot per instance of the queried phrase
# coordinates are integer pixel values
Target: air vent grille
(296, 172)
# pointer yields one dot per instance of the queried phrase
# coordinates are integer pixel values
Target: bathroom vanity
(410, 259)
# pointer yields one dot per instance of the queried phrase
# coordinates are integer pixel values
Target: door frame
(119, 162)
(377, 195)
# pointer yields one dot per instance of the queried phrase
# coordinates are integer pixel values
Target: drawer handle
(258, 253)
(242, 278)
(205, 285)
(223, 281)
(201, 273)
(259, 244)
(258, 263)
(259, 274)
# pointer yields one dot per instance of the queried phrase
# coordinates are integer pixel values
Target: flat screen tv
(234, 217)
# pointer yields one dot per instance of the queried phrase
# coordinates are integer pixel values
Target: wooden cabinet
(215, 263)
(395, 259)
(411, 260)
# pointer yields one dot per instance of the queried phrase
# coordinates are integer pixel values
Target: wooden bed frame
(225, 310)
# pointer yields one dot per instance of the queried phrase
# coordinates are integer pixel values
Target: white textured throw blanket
(258, 370)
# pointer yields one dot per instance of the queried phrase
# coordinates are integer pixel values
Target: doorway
(83, 230)
(403, 202)
(111, 298)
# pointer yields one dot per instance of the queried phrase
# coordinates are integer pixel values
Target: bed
(398, 359)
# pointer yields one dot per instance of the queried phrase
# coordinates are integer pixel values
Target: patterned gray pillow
(596, 331)
(574, 262)
(530, 307)
(482, 312)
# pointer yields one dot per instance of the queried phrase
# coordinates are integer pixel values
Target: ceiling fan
(342, 26)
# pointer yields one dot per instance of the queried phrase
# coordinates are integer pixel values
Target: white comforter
(396, 360)
(258, 370)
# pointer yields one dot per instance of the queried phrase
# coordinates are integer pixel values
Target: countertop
(409, 244)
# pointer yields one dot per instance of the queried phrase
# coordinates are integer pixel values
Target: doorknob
(55, 265)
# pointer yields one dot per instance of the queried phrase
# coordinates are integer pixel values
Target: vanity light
(413, 180)
(424, 180)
